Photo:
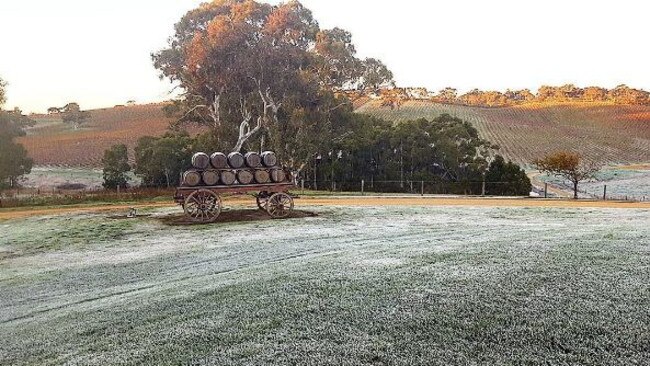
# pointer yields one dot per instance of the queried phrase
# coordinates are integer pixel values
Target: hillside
(603, 132)
(606, 133)
(51, 142)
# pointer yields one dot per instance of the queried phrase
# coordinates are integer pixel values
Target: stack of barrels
(234, 169)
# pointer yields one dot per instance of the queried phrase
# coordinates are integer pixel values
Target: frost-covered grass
(621, 183)
(387, 285)
(50, 177)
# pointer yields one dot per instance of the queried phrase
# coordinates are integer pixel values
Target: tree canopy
(3, 97)
(72, 113)
(160, 160)
(263, 76)
(567, 165)
(14, 161)
(506, 179)
(116, 165)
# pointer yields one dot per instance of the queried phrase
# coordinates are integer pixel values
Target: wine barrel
(244, 177)
(200, 160)
(210, 177)
(228, 177)
(236, 160)
(262, 176)
(191, 178)
(253, 159)
(269, 159)
(278, 175)
(219, 160)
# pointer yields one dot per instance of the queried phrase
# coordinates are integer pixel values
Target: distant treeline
(621, 94)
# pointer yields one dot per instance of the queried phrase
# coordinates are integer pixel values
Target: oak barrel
(244, 177)
(219, 160)
(228, 177)
(262, 176)
(236, 160)
(200, 160)
(253, 159)
(191, 178)
(269, 159)
(278, 175)
(210, 177)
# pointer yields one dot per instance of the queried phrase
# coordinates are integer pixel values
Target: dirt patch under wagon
(234, 216)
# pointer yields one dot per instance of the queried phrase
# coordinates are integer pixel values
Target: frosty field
(390, 285)
(622, 183)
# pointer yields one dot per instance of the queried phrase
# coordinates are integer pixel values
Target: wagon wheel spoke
(203, 206)
(279, 205)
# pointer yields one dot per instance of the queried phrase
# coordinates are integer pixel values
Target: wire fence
(21, 197)
(502, 188)
(409, 186)
(606, 191)
(69, 195)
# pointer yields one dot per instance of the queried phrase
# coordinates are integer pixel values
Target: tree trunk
(575, 190)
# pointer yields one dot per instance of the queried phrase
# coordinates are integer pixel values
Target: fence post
(605, 192)
(422, 187)
(483, 185)
(362, 184)
(545, 190)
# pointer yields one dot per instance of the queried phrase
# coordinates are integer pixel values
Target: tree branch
(245, 131)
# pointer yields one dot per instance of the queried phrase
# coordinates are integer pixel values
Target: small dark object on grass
(71, 186)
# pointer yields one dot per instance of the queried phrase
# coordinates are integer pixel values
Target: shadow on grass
(238, 215)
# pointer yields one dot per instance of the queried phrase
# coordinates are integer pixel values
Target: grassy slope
(391, 285)
(605, 133)
(611, 134)
(51, 142)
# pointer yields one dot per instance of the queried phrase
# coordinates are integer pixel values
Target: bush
(506, 179)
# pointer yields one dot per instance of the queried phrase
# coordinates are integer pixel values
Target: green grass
(376, 286)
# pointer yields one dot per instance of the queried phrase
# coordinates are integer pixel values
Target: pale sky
(97, 53)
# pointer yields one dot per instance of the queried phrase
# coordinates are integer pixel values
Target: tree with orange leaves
(568, 165)
(260, 75)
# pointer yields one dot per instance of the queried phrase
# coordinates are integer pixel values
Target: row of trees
(445, 150)
(622, 94)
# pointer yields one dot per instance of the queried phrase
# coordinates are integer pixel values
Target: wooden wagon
(203, 203)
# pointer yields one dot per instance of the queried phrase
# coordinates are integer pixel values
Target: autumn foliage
(568, 165)
(569, 93)
(264, 76)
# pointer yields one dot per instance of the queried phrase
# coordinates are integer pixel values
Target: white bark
(245, 131)
(269, 115)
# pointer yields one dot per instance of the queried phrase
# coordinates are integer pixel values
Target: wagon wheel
(202, 206)
(279, 205)
(262, 198)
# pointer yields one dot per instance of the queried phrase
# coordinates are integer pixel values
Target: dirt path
(537, 182)
(348, 201)
(468, 201)
(42, 211)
